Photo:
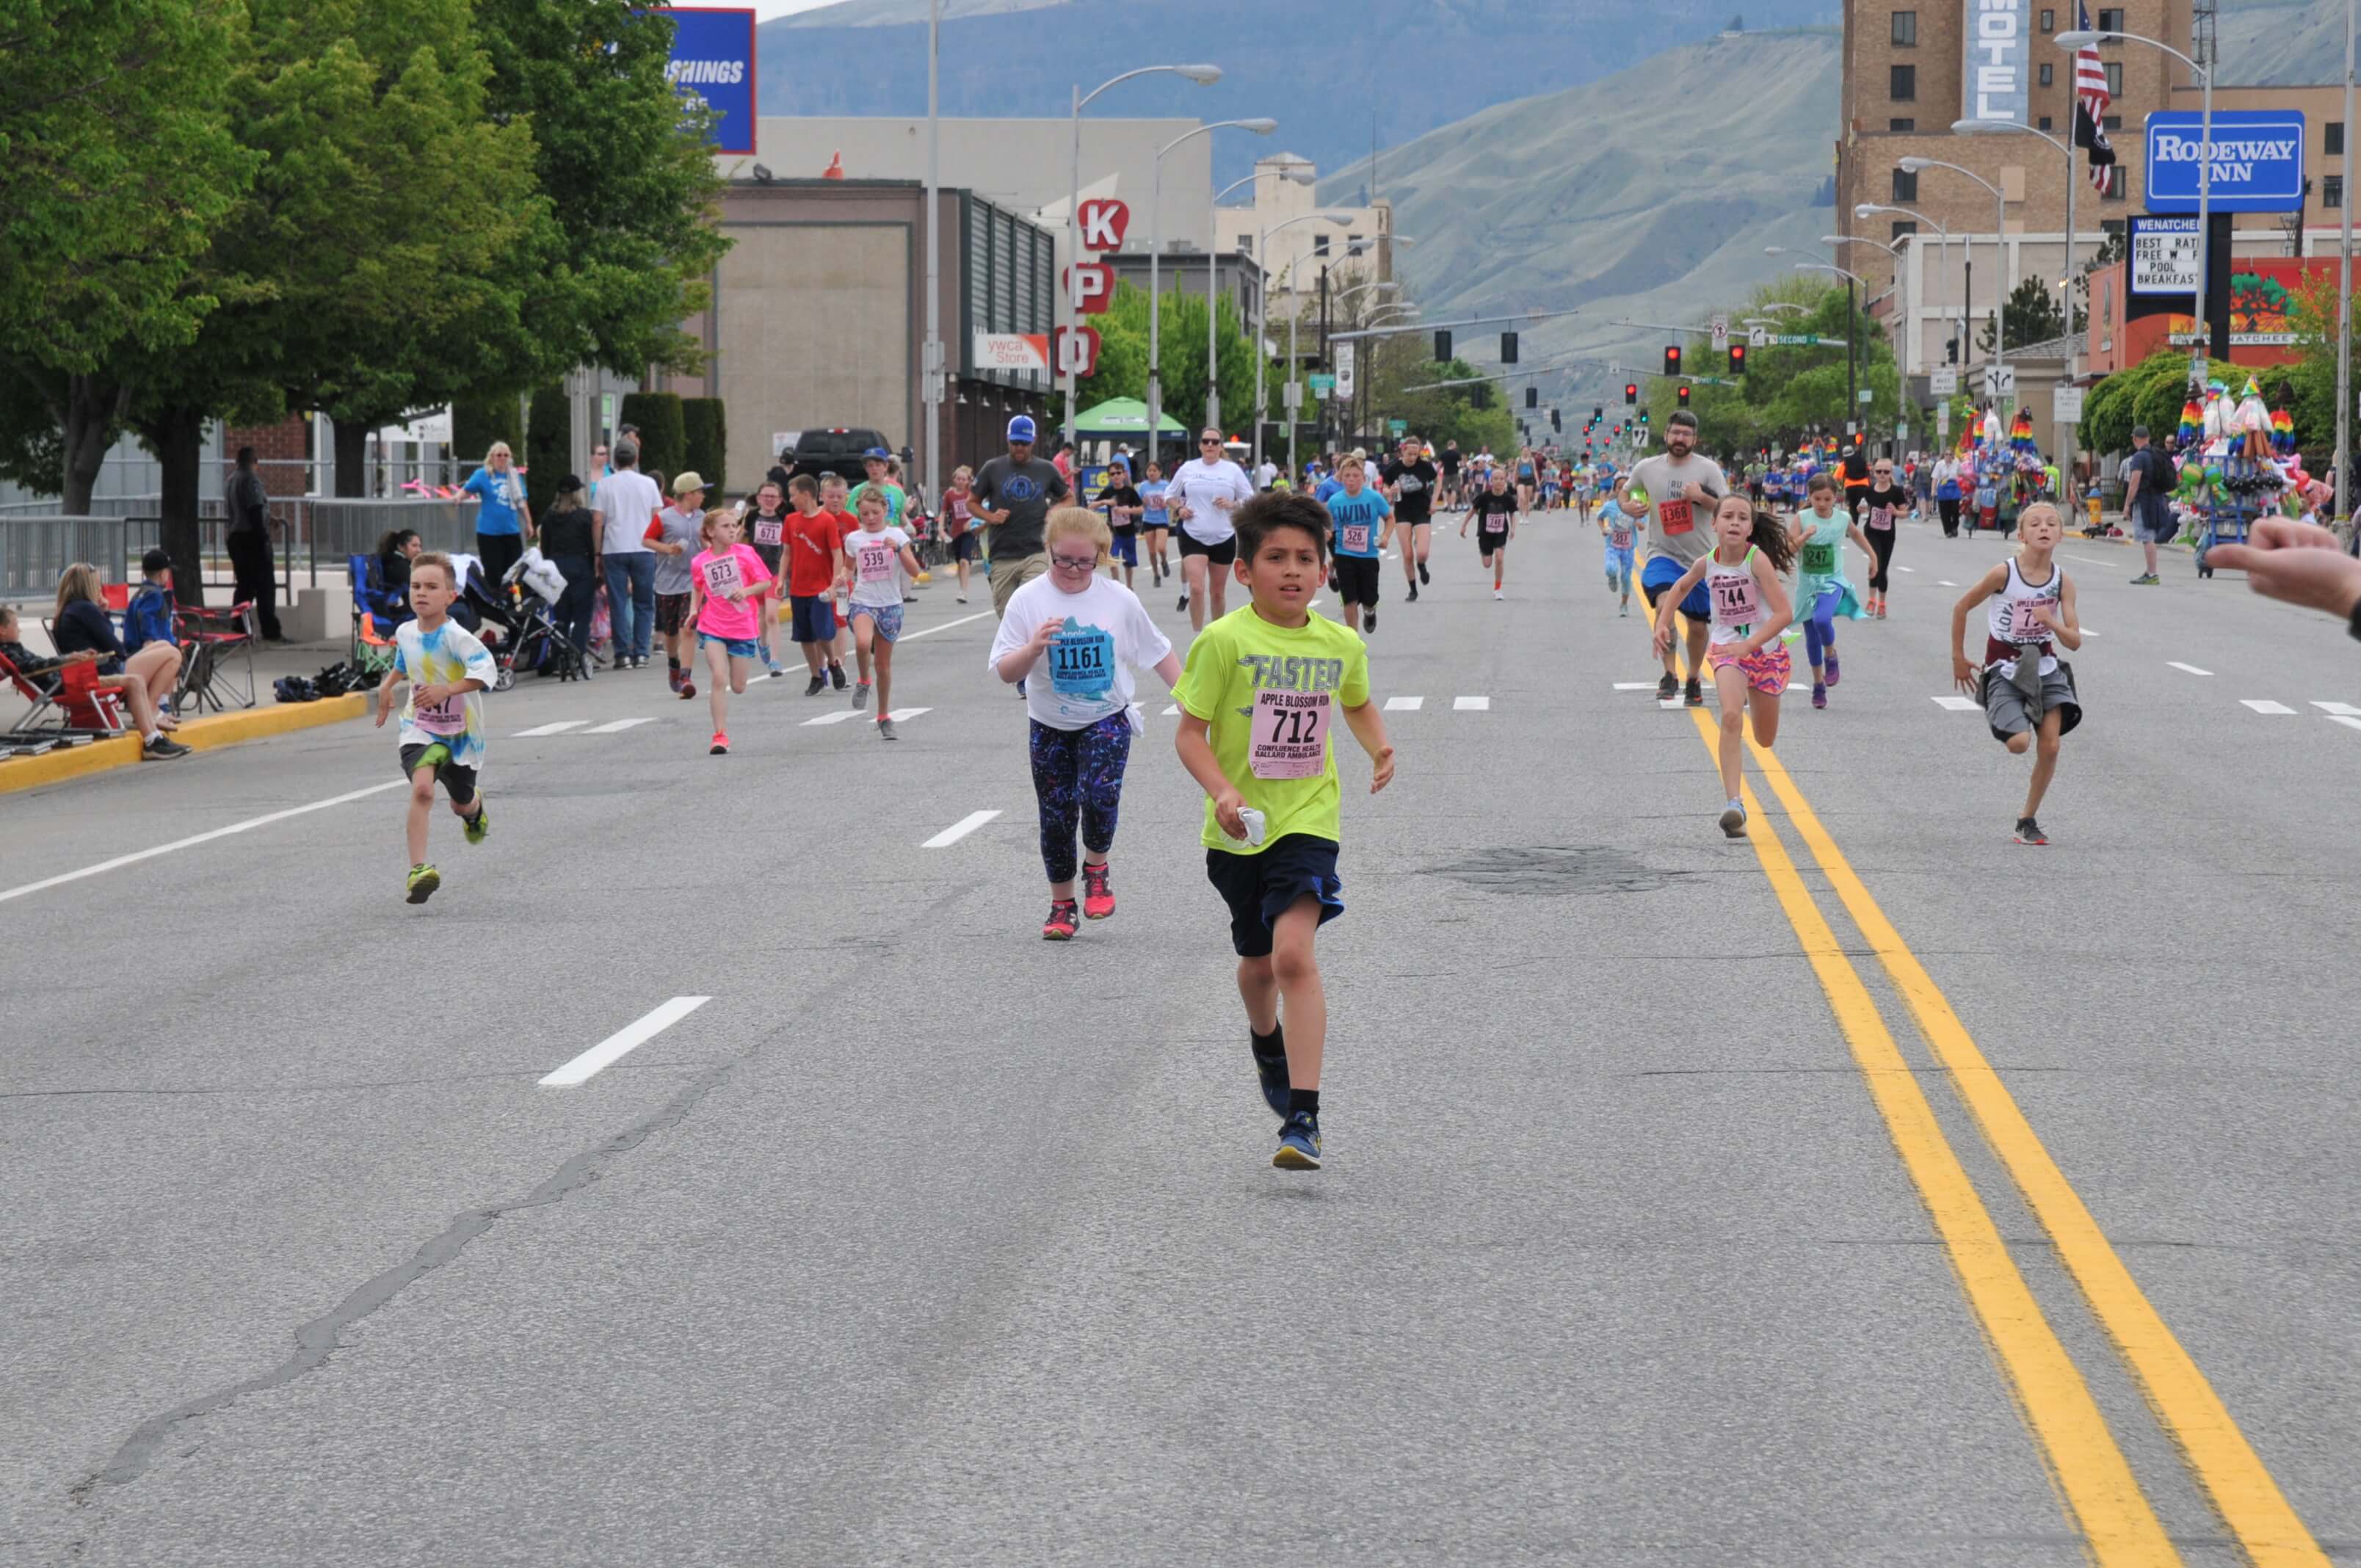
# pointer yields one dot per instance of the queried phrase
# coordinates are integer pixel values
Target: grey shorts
(2007, 712)
(2164, 533)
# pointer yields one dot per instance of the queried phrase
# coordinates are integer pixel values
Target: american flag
(2091, 101)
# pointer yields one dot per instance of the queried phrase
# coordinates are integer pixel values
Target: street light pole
(1870, 209)
(1155, 255)
(2345, 294)
(931, 357)
(1262, 314)
(1200, 74)
(2000, 255)
(2074, 39)
(1213, 292)
(1852, 326)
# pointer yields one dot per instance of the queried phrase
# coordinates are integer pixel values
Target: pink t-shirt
(738, 568)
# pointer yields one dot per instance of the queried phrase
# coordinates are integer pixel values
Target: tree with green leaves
(2031, 314)
(1792, 390)
(1180, 358)
(117, 165)
(623, 158)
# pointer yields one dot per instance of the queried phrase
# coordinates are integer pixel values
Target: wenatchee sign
(2257, 160)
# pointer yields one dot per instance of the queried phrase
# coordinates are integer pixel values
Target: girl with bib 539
(1748, 609)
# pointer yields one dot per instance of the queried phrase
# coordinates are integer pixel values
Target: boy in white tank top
(2027, 691)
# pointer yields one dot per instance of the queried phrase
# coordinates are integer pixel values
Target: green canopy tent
(1122, 417)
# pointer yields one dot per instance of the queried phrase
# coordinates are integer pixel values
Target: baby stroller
(534, 642)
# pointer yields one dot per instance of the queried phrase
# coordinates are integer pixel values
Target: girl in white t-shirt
(1079, 636)
(873, 551)
(1750, 609)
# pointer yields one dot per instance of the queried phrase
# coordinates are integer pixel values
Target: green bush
(705, 436)
(476, 422)
(549, 444)
(664, 445)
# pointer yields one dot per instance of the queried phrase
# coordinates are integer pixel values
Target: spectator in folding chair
(145, 679)
(394, 553)
(39, 674)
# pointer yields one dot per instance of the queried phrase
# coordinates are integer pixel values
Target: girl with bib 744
(1750, 609)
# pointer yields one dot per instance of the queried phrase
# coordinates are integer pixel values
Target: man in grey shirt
(1682, 489)
(1012, 495)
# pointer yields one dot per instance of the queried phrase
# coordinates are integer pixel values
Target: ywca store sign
(2257, 157)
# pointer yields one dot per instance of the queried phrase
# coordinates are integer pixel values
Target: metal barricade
(336, 529)
(36, 551)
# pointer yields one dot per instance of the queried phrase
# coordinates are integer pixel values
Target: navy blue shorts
(1260, 888)
(1662, 573)
(814, 618)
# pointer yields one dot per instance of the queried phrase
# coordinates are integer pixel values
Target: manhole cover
(1556, 868)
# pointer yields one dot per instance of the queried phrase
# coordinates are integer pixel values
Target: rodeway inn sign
(2257, 160)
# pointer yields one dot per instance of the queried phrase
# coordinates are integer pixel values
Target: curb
(200, 734)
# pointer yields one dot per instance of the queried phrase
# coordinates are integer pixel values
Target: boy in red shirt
(815, 557)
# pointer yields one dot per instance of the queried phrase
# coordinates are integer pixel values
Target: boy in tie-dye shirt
(443, 721)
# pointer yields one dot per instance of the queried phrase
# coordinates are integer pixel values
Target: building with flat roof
(818, 315)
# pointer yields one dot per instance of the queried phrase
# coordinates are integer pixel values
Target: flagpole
(2345, 295)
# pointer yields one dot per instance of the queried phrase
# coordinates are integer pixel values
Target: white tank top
(1736, 597)
(2009, 611)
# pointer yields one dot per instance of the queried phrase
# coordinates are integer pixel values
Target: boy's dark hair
(436, 559)
(804, 485)
(1274, 509)
(155, 560)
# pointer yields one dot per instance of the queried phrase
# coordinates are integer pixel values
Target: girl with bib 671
(1750, 609)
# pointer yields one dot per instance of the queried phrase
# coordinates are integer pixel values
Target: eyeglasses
(1207, 440)
(1074, 564)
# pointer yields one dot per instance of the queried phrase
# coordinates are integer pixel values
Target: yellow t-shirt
(1270, 697)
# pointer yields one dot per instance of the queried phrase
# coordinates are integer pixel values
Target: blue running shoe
(1298, 1142)
(1271, 1069)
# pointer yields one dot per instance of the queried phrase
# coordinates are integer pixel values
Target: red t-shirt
(813, 544)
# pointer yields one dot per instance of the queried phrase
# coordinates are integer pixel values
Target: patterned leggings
(1077, 774)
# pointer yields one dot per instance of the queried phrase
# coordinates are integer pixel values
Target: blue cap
(879, 452)
(1021, 428)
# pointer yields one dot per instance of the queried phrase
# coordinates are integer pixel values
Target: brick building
(1907, 79)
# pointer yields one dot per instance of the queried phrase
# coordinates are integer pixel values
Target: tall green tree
(1790, 390)
(116, 164)
(623, 158)
(2031, 313)
(1180, 358)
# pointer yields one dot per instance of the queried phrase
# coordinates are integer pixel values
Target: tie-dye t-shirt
(443, 656)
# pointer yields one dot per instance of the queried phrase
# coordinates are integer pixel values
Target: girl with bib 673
(1750, 609)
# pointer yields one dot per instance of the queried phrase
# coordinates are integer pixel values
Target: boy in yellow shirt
(1261, 692)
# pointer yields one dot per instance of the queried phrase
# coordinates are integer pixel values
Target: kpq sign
(2257, 160)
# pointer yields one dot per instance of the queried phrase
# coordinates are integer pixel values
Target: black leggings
(1078, 776)
(1951, 518)
(1881, 546)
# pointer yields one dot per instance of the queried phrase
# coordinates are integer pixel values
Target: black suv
(834, 451)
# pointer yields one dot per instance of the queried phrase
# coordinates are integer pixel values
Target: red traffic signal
(1630, 392)
(1672, 359)
(1737, 358)
(1684, 394)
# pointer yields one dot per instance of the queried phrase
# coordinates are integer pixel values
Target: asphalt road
(921, 1240)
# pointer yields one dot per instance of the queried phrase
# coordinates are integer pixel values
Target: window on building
(1351, 240)
(1905, 185)
(1246, 244)
(2047, 75)
(1319, 245)
(1904, 123)
(1905, 226)
(2110, 19)
(2044, 123)
(2115, 78)
(2048, 21)
(1904, 83)
(1906, 29)
(2114, 123)
(2332, 138)
(2332, 190)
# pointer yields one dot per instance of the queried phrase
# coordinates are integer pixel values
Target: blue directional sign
(2257, 160)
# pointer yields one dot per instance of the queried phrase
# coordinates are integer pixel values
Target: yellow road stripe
(2100, 1492)
(2249, 1501)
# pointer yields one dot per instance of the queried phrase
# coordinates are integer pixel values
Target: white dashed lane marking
(1959, 703)
(2346, 719)
(560, 728)
(959, 829)
(1471, 704)
(2191, 668)
(618, 1045)
(2338, 709)
(1404, 704)
(2261, 706)
(617, 726)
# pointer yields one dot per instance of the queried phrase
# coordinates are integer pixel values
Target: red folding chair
(86, 704)
(44, 702)
(213, 639)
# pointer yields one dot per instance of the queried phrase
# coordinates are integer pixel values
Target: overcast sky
(764, 9)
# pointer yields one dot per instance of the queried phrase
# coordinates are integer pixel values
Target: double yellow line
(2096, 1481)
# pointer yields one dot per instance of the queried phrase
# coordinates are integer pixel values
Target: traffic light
(1672, 359)
(1596, 414)
(1554, 424)
(1643, 416)
(1631, 393)
(1683, 395)
(1950, 351)
(1442, 346)
(1507, 348)
(1533, 396)
(1737, 358)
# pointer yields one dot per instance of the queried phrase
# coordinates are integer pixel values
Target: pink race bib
(1290, 735)
(875, 562)
(448, 716)
(721, 574)
(1357, 539)
(1737, 601)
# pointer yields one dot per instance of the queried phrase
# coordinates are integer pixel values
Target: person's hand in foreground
(2299, 562)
